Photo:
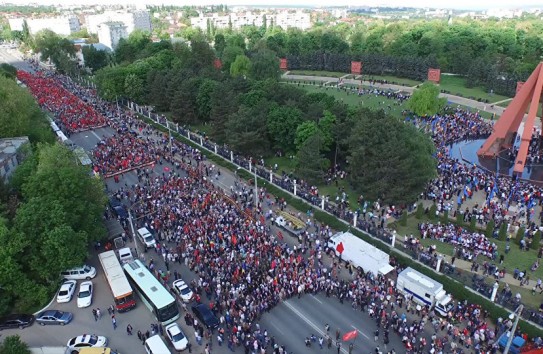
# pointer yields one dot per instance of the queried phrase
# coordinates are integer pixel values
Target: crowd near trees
(248, 109)
(50, 209)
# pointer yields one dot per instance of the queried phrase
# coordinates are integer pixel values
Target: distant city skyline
(458, 4)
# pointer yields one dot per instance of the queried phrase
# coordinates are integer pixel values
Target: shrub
(420, 211)
(459, 218)
(403, 218)
(432, 212)
(473, 223)
(445, 218)
(502, 234)
(520, 235)
(536, 240)
(489, 232)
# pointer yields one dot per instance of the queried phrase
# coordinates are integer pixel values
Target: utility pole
(517, 313)
(133, 232)
(256, 190)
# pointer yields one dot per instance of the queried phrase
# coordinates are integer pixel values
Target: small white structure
(360, 253)
(138, 19)
(10, 155)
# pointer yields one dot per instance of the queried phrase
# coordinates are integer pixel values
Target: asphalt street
(289, 323)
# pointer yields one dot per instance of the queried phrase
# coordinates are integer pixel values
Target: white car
(183, 290)
(66, 292)
(86, 341)
(84, 297)
(177, 337)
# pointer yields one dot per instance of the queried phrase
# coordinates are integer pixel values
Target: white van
(125, 255)
(155, 345)
(84, 272)
(146, 237)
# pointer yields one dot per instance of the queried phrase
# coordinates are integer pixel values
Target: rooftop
(9, 146)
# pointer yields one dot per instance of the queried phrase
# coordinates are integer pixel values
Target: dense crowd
(245, 270)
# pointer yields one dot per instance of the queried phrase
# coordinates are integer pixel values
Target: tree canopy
(389, 160)
(425, 100)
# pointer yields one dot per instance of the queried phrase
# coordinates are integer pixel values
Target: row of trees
(51, 209)
(249, 110)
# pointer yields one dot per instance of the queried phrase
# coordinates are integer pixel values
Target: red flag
(350, 335)
(340, 248)
(280, 235)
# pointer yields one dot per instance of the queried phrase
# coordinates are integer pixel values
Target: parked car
(86, 341)
(183, 290)
(16, 321)
(204, 314)
(54, 317)
(66, 292)
(118, 208)
(176, 336)
(84, 272)
(84, 297)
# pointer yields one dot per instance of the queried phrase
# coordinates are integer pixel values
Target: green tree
(502, 233)
(265, 65)
(473, 223)
(420, 211)
(432, 212)
(8, 71)
(220, 44)
(229, 55)
(311, 165)
(246, 130)
(445, 218)
(282, 124)
(133, 87)
(241, 66)
(388, 159)
(203, 99)
(403, 218)
(520, 235)
(59, 50)
(459, 218)
(20, 115)
(489, 232)
(94, 59)
(304, 131)
(536, 241)
(425, 100)
(14, 345)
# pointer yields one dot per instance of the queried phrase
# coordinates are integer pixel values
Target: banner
(283, 64)
(434, 75)
(356, 67)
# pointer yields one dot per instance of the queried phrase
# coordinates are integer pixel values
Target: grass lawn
(371, 101)
(318, 73)
(506, 103)
(393, 80)
(515, 258)
(457, 86)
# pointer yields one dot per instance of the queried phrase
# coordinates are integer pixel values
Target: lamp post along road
(517, 313)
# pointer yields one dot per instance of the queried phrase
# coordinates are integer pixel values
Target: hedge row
(457, 289)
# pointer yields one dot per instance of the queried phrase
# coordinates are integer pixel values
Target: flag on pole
(350, 335)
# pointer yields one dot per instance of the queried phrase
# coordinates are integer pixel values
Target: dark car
(204, 314)
(16, 321)
(118, 208)
(54, 317)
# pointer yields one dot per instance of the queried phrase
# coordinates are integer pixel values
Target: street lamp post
(133, 232)
(256, 190)
(516, 315)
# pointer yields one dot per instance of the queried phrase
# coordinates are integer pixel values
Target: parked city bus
(117, 281)
(153, 294)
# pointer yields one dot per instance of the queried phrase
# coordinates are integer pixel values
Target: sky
(455, 4)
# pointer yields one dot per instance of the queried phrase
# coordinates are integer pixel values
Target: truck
(281, 222)
(424, 290)
(49, 350)
(516, 344)
(359, 253)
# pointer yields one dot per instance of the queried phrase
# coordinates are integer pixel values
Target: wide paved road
(289, 323)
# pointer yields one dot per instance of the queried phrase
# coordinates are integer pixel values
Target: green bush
(452, 286)
(420, 211)
(432, 212)
(502, 234)
(445, 218)
(459, 218)
(473, 223)
(536, 240)
(490, 228)
(520, 235)
(403, 218)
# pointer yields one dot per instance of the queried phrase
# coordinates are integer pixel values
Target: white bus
(153, 294)
(117, 281)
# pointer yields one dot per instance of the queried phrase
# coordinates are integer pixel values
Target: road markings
(313, 296)
(96, 135)
(362, 333)
(309, 322)
(277, 328)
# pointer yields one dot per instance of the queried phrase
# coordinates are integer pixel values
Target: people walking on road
(95, 314)
(129, 329)
(140, 336)
(338, 347)
(376, 335)
(98, 313)
(114, 321)
(338, 334)
(321, 341)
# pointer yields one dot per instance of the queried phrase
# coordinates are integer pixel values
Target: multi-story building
(64, 25)
(284, 19)
(10, 155)
(137, 19)
(110, 33)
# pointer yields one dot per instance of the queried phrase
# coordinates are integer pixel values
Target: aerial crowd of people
(244, 268)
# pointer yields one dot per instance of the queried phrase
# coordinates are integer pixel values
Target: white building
(110, 33)
(138, 19)
(283, 19)
(64, 25)
(10, 155)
